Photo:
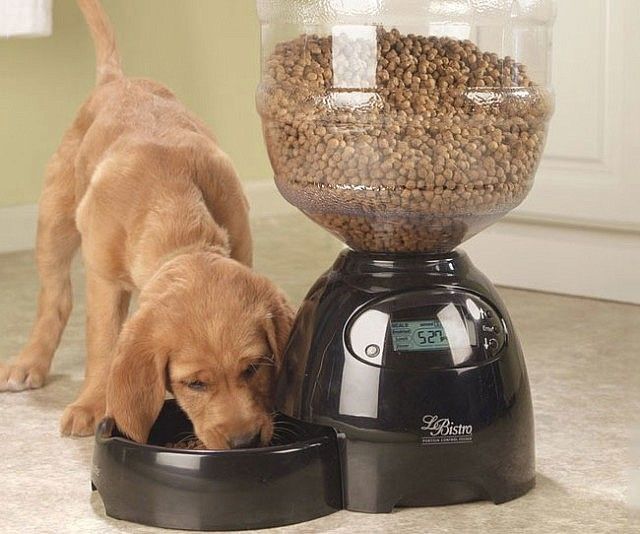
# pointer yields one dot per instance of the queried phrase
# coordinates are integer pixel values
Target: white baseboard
(265, 200)
(540, 255)
(18, 223)
(589, 262)
(18, 227)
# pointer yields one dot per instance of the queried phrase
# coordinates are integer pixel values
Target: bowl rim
(107, 426)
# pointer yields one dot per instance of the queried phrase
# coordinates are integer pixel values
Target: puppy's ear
(278, 327)
(136, 386)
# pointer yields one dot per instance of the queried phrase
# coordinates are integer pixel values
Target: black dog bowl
(295, 479)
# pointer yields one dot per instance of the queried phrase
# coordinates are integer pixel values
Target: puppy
(157, 207)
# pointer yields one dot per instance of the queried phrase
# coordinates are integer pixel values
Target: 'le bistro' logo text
(444, 431)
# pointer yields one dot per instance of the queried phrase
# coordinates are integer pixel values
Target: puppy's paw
(80, 419)
(19, 377)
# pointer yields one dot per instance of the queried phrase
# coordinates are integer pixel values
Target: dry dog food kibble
(401, 142)
(193, 443)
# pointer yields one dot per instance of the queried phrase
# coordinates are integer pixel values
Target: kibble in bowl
(401, 143)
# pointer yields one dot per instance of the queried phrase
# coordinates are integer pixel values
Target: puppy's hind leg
(57, 241)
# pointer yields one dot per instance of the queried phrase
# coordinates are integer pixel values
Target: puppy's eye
(196, 385)
(249, 371)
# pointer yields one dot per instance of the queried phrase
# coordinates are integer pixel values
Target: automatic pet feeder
(404, 127)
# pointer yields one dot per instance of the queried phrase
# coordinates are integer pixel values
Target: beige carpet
(584, 365)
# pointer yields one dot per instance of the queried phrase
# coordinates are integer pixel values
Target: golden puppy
(157, 206)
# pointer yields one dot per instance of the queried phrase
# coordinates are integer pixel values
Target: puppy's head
(213, 332)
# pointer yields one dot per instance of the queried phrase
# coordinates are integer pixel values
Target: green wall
(206, 51)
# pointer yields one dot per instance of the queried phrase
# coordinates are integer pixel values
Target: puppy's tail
(108, 60)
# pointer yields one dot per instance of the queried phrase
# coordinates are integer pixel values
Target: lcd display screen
(422, 335)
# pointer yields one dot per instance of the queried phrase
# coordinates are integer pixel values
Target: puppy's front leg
(107, 306)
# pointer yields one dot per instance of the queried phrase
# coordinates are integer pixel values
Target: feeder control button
(372, 351)
(367, 335)
(492, 336)
(491, 343)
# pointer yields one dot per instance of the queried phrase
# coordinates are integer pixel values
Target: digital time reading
(427, 334)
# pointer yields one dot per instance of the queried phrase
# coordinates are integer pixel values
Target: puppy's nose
(248, 440)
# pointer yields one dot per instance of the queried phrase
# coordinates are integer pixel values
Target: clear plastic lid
(405, 125)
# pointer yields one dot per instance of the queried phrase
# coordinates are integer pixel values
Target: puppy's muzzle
(246, 441)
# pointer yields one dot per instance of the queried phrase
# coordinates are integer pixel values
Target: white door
(579, 230)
